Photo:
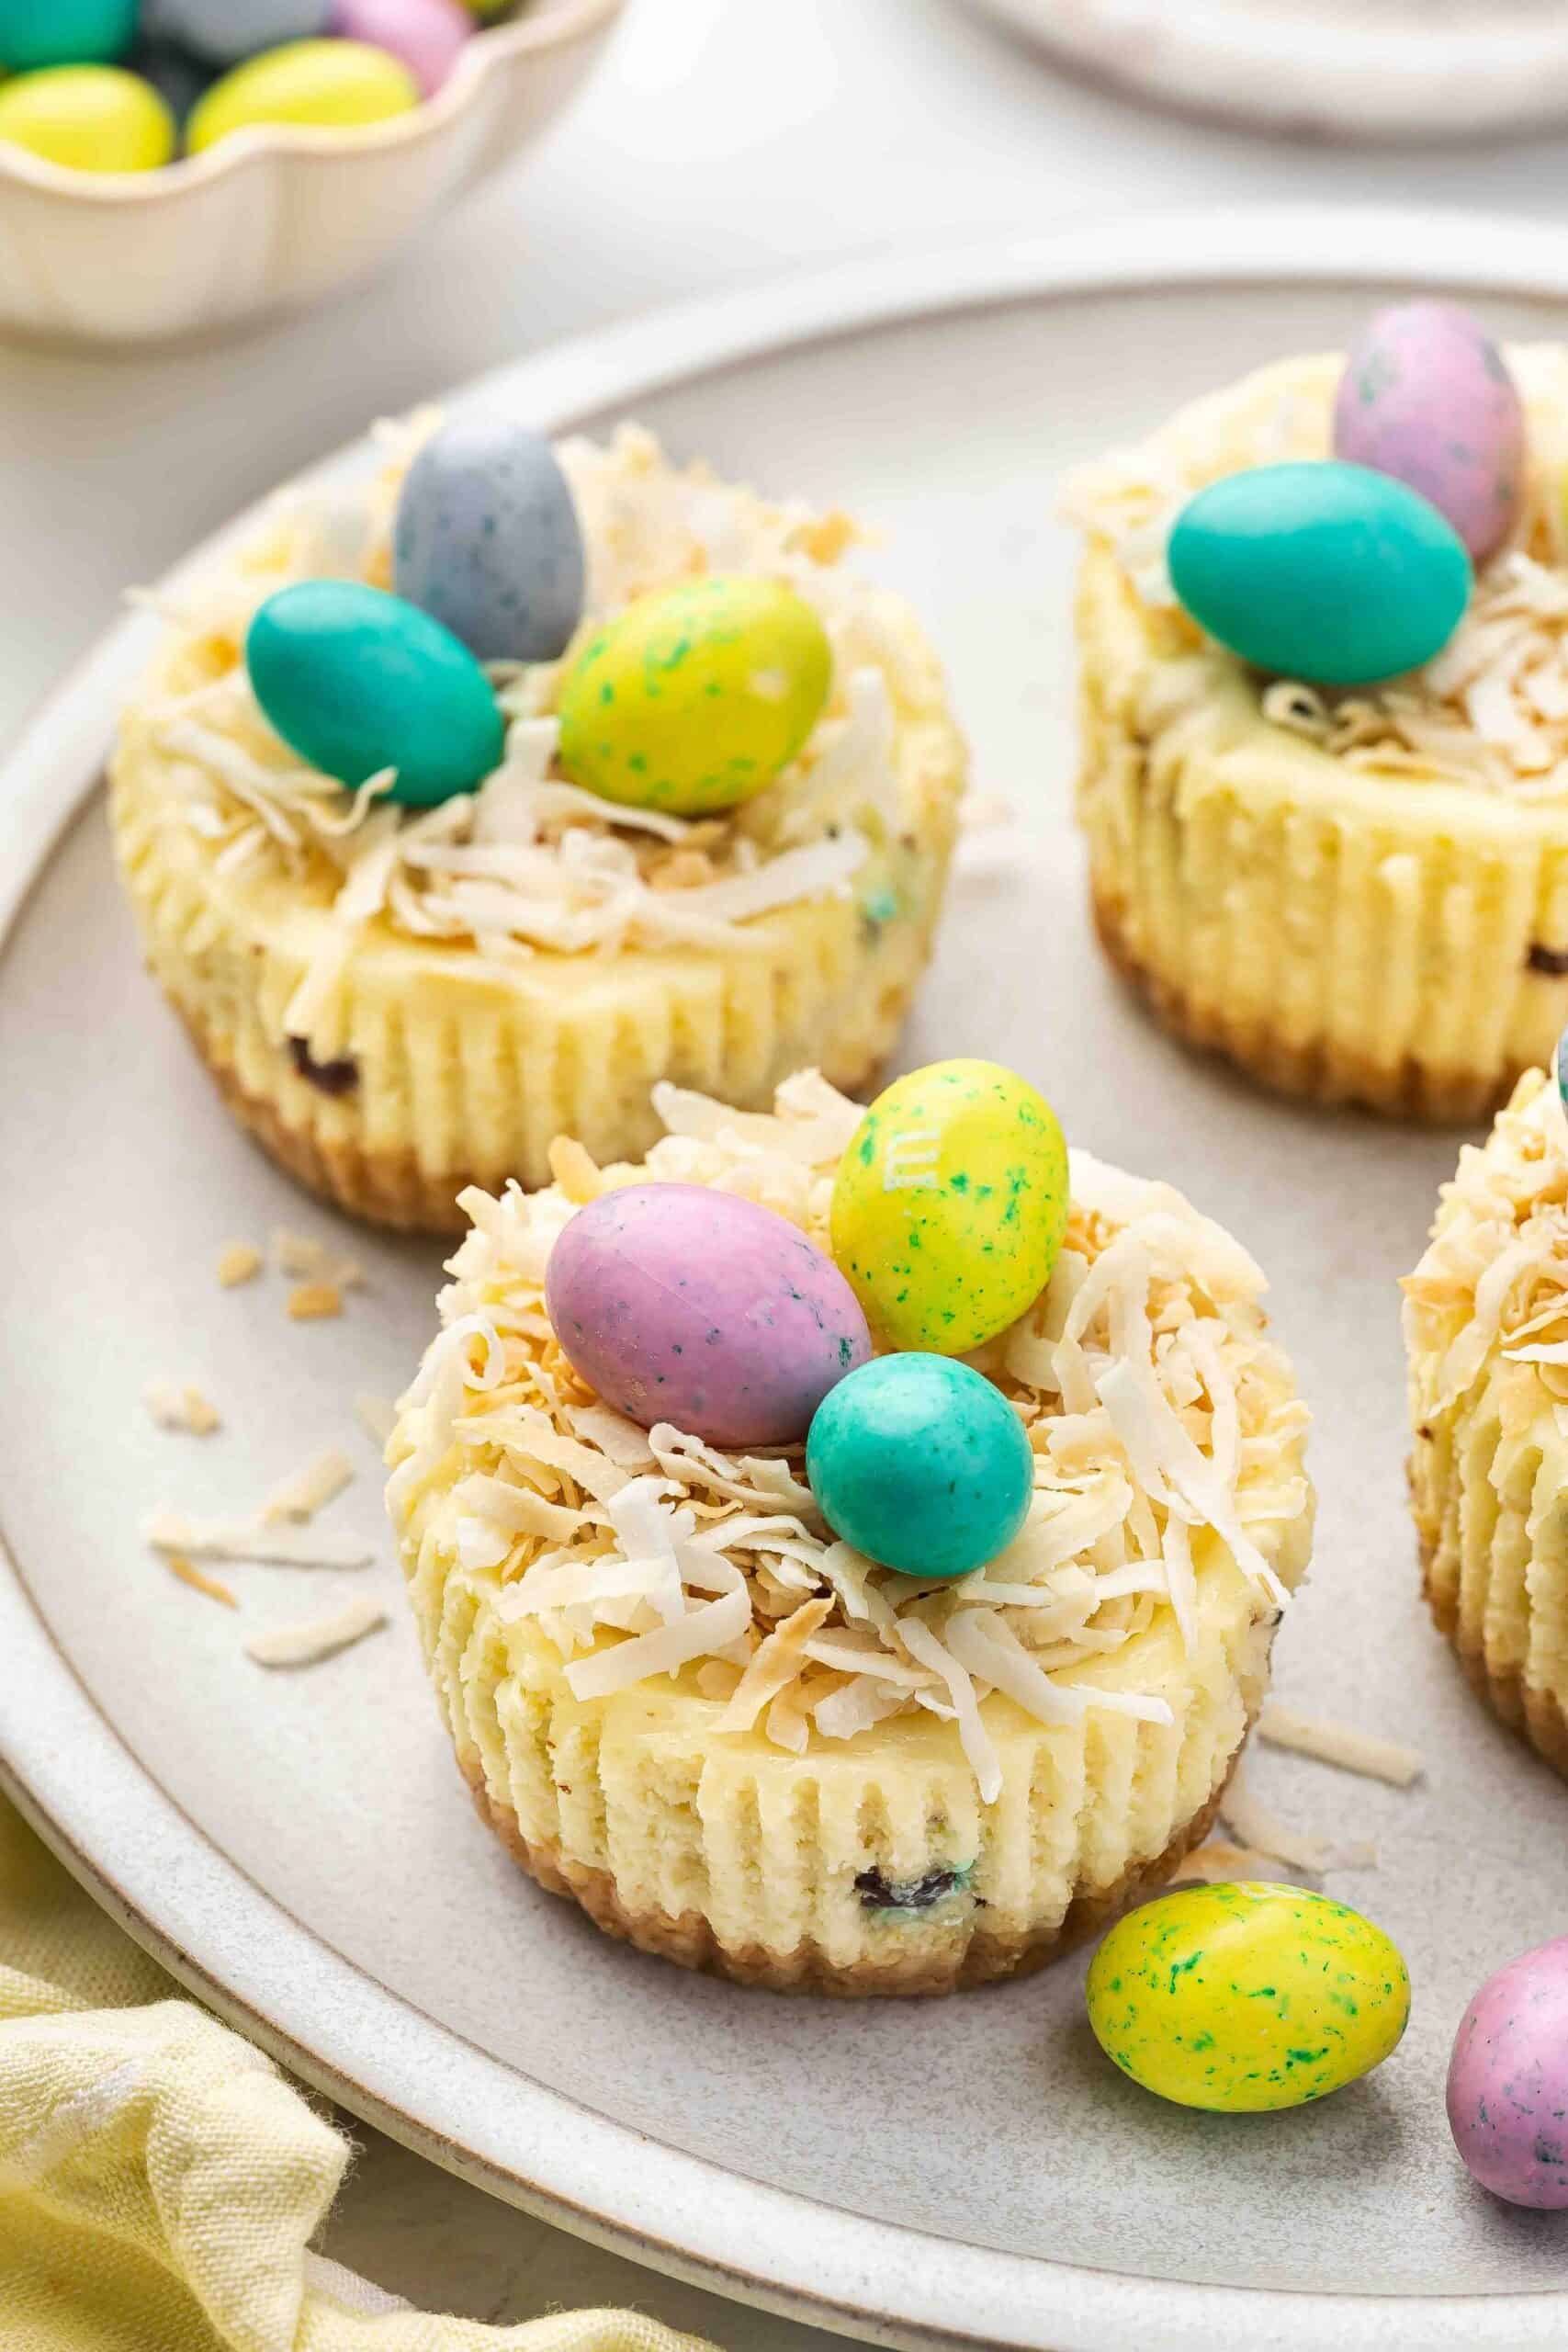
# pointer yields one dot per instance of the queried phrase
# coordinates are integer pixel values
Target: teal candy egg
(356, 680)
(1324, 572)
(35, 33)
(921, 1463)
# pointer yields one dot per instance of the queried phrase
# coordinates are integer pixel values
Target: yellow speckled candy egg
(696, 697)
(950, 1205)
(1245, 1998)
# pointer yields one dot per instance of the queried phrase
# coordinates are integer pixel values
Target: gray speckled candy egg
(487, 539)
(225, 30)
(1426, 396)
(1507, 2093)
(680, 1304)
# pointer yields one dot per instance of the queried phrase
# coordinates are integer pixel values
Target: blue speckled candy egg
(487, 538)
(356, 680)
(1247, 1998)
(1323, 571)
(922, 1464)
(223, 31)
(1507, 2092)
(680, 1304)
(35, 33)
(1426, 397)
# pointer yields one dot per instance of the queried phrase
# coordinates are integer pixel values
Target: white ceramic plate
(1319, 69)
(298, 1849)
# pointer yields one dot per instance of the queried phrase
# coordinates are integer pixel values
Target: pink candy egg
(1426, 396)
(426, 34)
(680, 1303)
(1508, 2080)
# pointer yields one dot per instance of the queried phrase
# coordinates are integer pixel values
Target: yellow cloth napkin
(161, 2181)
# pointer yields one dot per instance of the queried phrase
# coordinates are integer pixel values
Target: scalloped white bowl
(271, 219)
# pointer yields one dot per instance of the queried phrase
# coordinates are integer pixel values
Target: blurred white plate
(298, 1849)
(1330, 69)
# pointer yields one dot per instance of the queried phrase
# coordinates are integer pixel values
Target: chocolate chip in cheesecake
(1553, 960)
(340, 1076)
(879, 1894)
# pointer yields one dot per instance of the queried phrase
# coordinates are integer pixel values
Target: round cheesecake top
(1167, 1496)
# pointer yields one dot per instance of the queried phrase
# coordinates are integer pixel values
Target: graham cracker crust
(383, 1188)
(1305, 1073)
(1534, 1714)
(985, 1958)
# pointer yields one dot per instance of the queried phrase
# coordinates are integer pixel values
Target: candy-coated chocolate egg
(356, 680)
(921, 1463)
(318, 84)
(1322, 571)
(426, 34)
(1426, 397)
(1508, 2080)
(950, 1205)
(88, 118)
(223, 31)
(35, 33)
(1248, 1997)
(680, 1303)
(487, 538)
(696, 697)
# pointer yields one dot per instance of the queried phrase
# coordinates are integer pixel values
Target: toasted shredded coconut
(312, 1302)
(276, 1544)
(642, 1552)
(298, 1254)
(1489, 1300)
(529, 861)
(377, 1416)
(1218, 1863)
(307, 1491)
(188, 1573)
(1342, 1744)
(239, 1263)
(180, 1405)
(318, 1637)
(1257, 1827)
(1492, 708)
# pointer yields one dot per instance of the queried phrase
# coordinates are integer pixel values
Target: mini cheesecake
(401, 1002)
(793, 1766)
(1486, 1340)
(1357, 895)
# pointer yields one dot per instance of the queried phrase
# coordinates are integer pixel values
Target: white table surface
(717, 142)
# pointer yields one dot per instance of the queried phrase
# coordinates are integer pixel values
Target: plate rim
(225, 1939)
(1293, 73)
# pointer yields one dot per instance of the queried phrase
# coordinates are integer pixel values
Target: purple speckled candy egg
(1508, 2080)
(680, 1304)
(426, 34)
(1426, 396)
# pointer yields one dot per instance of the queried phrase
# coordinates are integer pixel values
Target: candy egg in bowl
(288, 201)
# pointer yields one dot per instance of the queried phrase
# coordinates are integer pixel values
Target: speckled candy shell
(1507, 2094)
(487, 539)
(1246, 1998)
(950, 1204)
(1426, 397)
(680, 1304)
